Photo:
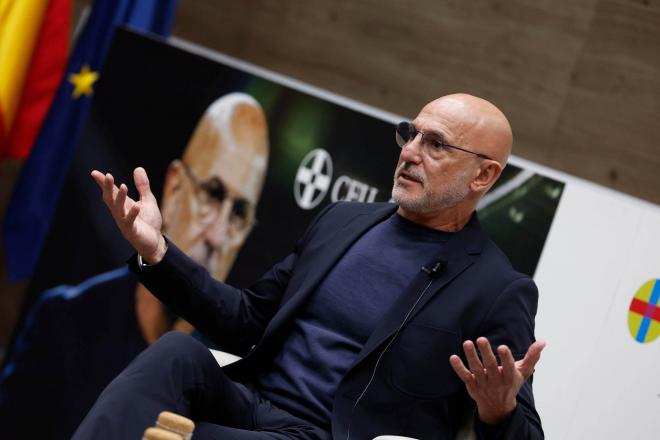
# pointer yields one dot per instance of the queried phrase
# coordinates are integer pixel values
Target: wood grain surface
(579, 79)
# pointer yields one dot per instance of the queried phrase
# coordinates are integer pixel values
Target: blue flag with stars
(42, 177)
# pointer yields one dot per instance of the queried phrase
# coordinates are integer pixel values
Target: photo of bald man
(75, 339)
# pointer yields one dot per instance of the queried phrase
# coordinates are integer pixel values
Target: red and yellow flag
(34, 40)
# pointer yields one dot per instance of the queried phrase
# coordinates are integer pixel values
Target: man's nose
(412, 151)
(216, 232)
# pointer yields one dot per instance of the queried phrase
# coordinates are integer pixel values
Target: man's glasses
(432, 143)
(212, 193)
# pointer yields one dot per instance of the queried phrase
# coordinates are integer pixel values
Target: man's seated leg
(179, 374)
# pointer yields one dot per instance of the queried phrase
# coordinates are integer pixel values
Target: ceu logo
(313, 179)
(644, 313)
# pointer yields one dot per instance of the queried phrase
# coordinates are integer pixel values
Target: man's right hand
(139, 222)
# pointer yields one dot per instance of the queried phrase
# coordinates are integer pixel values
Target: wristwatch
(141, 264)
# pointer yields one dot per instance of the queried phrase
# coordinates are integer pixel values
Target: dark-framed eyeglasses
(211, 194)
(432, 143)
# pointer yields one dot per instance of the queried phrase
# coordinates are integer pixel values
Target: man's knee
(175, 344)
(174, 337)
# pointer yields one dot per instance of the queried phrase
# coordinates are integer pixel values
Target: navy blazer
(401, 382)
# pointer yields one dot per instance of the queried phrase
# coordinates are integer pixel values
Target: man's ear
(489, 172)
(171, 200)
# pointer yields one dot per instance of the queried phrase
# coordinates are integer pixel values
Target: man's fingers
(133, 213)
(487, 356)
(141, 182)
(460, 369)
(120, 201)
(106, 183)
(476, 367)
(527, 365)
(508, 362)
(109, 189)
(98, 177)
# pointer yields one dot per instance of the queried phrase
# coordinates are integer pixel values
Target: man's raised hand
(139, 222)
(492, 386)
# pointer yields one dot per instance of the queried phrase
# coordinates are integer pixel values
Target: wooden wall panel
(554, 67)
(609, 126)
(398, 55)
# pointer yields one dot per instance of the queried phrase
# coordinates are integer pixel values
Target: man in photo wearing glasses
(77, 338)
(395, 319)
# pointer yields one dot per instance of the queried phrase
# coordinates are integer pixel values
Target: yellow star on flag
(83, 82)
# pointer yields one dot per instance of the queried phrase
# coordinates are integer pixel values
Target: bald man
(392, 319)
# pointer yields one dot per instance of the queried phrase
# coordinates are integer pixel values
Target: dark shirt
(338, 318)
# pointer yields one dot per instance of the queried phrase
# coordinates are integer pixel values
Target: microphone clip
(437, 269)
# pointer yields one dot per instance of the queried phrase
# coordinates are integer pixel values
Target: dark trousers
(179, 374)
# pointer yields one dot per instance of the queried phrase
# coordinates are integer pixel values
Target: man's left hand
(494, 387)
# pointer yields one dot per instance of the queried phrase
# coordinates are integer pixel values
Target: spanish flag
(34, 40)
(38, 186)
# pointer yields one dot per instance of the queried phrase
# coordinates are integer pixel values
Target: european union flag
(41, 180)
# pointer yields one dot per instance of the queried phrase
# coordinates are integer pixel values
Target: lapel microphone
(437, 269)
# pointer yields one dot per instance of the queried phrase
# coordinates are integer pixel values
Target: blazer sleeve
(511, 322)
(232, 318)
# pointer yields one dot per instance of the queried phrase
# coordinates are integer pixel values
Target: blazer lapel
(326, 256)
